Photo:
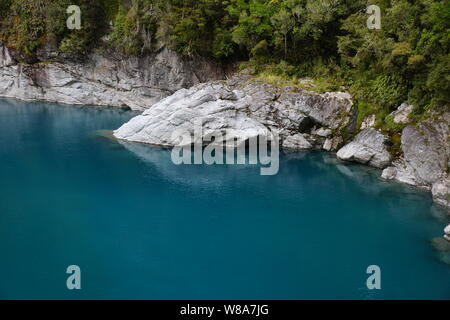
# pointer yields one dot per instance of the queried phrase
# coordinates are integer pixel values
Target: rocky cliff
(107, 80)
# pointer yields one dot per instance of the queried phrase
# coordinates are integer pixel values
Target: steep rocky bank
(107, 80)
(425, 159)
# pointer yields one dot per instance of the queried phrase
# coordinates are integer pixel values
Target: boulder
(333, 144)
(297, 141)
(322, 132)
(368, 122)
(369, 147)
(402, 172)
(424, 149)
(401, 115)
(425, 159)
(441, 192)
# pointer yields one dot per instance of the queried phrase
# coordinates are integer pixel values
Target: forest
(407, 59)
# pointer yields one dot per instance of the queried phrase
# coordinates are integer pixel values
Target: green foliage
(388, 91)
(407, 59)
(31, 25)
(28, 26)
(134, 30)
(328, 40)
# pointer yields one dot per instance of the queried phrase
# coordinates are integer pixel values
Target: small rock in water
(447, 232)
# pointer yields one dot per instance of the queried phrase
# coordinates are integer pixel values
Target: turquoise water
(140, 227)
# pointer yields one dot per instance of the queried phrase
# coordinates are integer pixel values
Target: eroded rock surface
(401, 115)
(249, 108)
(369, 147)
(426, 157)
(136, 83)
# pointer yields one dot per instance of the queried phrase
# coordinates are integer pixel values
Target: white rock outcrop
(369, 147)
(447, 232)
(301, 118)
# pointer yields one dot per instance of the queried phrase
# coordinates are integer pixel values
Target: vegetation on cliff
(406, 60)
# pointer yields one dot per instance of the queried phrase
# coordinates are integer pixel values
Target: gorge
(141, 227)
(239, 149)
(167, 88)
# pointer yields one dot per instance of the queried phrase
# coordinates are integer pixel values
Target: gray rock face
(368, 122)
(426, 156)
(426, 150)
(136, 83)
(302, 119)
(297, 141)
(402, 113)
(369, 147)
(441, 192)
(333, 144)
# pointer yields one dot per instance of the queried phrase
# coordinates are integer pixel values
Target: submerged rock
(369, 147)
